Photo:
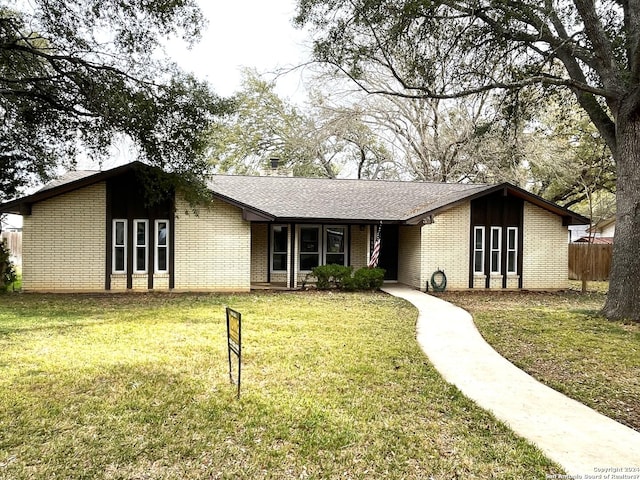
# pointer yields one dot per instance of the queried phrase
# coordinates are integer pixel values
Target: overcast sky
(245, 33)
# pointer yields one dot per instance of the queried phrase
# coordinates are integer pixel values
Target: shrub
(369, 278)
(331, 276)
(7, 271)
(343, 278)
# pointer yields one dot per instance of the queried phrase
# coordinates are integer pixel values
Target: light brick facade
(64, 242)
(445, 246)
(545, 255)
(65, 248)
(410, 256)
(212, 249)
(259, 252)
(359, 246)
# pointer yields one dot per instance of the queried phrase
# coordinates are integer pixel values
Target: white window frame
(158, 247)
(493, 268)
(318, 252)
(116, 245)
(325, 243)
(273, 251)
(144, 246)
(513, 250)
(478, 251)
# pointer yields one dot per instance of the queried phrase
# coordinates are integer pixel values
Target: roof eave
(334, 220)
(249, 213)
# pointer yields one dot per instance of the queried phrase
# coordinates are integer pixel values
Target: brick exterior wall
(64, 248)
(212, 249)
(545, 255)
(409, 257)
(259, 252)
(64, 242)
(359, 238)
(445, 245)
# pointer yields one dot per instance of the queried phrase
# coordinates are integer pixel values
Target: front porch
(283, 254)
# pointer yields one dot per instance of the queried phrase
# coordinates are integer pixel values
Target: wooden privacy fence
(591, 260)
(14, 242)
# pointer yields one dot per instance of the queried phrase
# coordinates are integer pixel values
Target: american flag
(375, 253)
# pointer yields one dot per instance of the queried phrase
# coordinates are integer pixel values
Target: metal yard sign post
(234, 341)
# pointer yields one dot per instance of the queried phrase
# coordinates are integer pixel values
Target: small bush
(343, 278)
(331, 276)
(7, 271)
(369, 278)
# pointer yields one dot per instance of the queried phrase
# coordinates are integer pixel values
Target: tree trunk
(623, 300)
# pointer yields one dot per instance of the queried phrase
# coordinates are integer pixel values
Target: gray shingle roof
(315, 199)
(325, 199)
(68, 177)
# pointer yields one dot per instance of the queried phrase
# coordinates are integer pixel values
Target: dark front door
(389, 251)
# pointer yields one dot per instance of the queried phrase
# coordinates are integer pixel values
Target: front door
(389, 251)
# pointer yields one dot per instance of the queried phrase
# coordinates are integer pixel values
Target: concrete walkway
(578, 438)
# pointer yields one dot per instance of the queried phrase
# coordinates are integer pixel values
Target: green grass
(334, 386)
(560, 339)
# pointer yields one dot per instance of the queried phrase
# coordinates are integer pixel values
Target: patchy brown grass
(560, 339)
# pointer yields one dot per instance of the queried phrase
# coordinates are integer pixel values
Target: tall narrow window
(512, 250)
(279, 238)
(119, 261)
(141, 242)
(496, 244)
(335, 239)
(162, 246)
(478, 250)
(309, 248)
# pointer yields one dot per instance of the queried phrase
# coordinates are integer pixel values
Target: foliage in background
(7, 269)
(309, 142)
(430, 139)
(75, 74)
(577, 169)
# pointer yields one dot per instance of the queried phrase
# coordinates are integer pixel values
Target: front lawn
(560, 339)
(334, 386)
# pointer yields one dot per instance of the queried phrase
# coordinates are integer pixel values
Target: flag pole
(375, 253)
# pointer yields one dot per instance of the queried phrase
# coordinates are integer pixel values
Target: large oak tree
(591, 47)
(74, 74)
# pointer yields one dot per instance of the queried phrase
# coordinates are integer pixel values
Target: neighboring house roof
(603, 224)
(317, 199)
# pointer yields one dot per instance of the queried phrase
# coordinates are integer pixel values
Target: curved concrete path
(584, 442)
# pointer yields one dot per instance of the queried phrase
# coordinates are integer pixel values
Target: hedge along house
(91, 231)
